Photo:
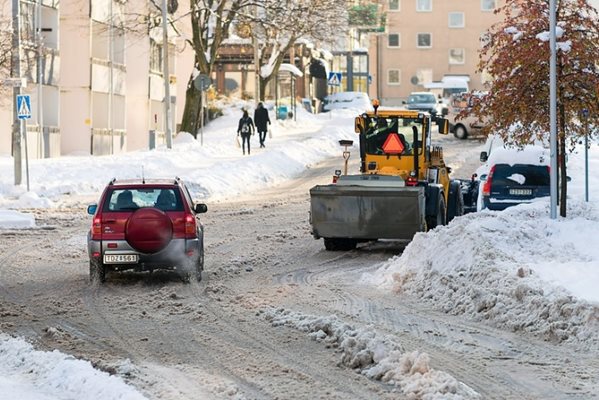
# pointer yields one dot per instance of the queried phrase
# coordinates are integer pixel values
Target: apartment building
(99, 88)
(425, 41)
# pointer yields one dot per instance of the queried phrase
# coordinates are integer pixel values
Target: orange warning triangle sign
(393, 144)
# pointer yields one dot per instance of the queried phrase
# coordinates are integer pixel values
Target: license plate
(521, 192)
(120, 258)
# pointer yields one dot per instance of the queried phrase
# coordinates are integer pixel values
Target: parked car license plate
(521, 192)
(120, 258)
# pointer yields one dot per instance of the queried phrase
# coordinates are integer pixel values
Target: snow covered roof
(291, 68)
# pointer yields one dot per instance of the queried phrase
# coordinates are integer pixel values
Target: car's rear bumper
(179, 253)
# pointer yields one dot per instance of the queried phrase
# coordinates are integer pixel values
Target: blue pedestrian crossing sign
(334, 79)
(23, 106)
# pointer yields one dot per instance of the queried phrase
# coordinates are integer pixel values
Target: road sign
(202, 82)
(23, 106)
(334, 79)
(15, 82)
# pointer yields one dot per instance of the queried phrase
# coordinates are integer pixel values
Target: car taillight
(97, 228)
(190, 226)
(487, 185)
(412, 179)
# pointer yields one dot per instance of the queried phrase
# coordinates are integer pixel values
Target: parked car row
(507, 178)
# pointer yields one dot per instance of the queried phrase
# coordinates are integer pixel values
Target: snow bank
(508, 268)
(377, 356)
(10, 219)
(28, 374)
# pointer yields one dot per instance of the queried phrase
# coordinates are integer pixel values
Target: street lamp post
(165, 72)
(553, 110)
(16, 73)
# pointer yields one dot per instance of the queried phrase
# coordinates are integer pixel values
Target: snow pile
(10, 219)
(377, 356)
(28, 374)
(212, 166)
(517, 269)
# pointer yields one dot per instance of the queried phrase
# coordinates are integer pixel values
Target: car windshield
(165, 199)
(378, 130)
(421, 98)
(521, 175)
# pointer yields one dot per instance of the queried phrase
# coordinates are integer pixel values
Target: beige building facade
(425, 41)
(102, 87)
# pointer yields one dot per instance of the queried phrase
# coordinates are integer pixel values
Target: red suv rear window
(129, 199)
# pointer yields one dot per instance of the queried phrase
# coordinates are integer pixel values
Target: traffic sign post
(334, 79)
(23, 113)
(585, 115)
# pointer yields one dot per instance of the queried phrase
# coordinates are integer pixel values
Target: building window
(487, 5)
(155, 56)
(393, 40)
(425, 41)
(456, 20)
(394, 77)
(394, 5)
(457, 56)
(424, 75)
(424, 5)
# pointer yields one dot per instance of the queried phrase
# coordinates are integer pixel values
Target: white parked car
(344, 100)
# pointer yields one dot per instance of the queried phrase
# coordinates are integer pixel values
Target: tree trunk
(563, 179)
(190, 120)
(263, 83)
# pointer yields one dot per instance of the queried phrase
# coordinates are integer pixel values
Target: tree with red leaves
(516, 56)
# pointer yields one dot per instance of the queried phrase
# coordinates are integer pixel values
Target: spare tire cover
(149, 230)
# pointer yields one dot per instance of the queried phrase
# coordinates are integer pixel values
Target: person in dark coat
(245, 129)
(261, 119)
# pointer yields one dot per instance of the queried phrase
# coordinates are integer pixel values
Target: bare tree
(517, 54)
(210, 24)
(279, 24)
(5, 49)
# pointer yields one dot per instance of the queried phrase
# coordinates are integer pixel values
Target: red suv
(145, 225)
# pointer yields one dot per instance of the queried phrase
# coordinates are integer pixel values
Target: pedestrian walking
(245, 129)
(261, 119)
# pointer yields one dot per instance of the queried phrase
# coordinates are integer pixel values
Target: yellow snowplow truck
(403, 186)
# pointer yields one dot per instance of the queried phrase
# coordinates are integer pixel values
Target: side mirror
(484, 156)
(200, 208)
(568, 179)
(404, 102)
(359, 124)
(91, 209)
(443, 124)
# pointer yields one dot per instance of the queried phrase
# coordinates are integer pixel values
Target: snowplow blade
(366, 212)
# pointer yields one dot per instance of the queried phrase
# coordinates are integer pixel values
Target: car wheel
(97, 272)
(460, 132)
(199, 266)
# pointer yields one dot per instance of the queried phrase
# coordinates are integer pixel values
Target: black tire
(97, 272)
(199, 266)
(440, 218)
(339, 244)
(455, 202)
(460, 132)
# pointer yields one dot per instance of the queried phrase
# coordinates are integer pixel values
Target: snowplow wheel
(339, 244)
(440, 219)
(455, 203)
